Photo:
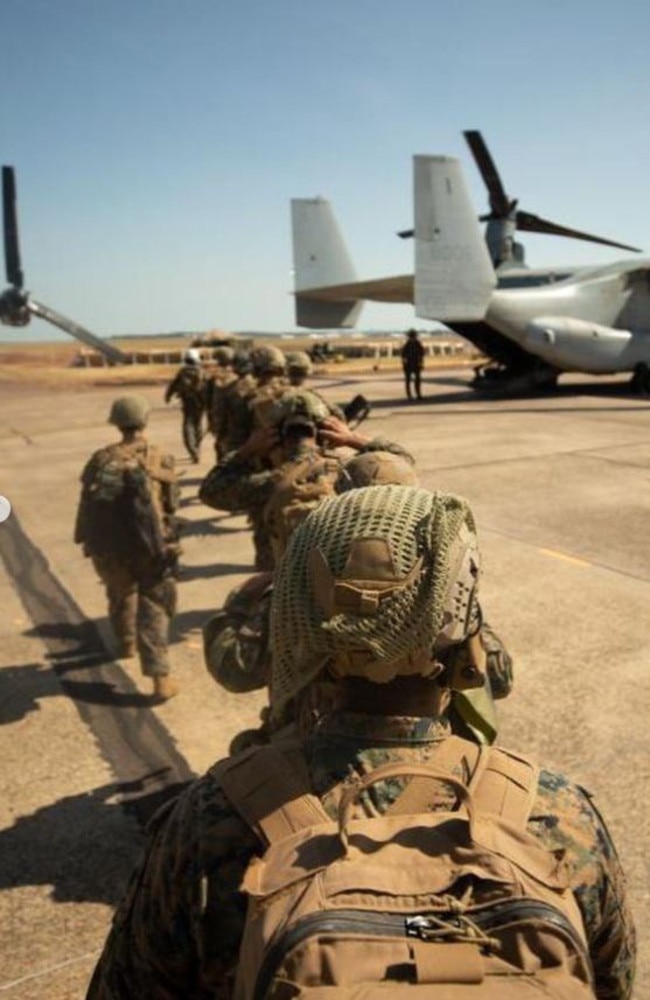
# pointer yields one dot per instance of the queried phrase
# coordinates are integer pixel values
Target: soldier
(232, 417)
(299, 367)
(413, 362)
(290, 460)
(222, 378)
(125, 523)
(491, 875)
(190, 386)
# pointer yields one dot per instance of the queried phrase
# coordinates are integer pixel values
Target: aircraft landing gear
(640, 381)
(498, 379)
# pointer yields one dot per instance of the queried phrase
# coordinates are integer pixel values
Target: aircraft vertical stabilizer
(454, 276)
(320, 259)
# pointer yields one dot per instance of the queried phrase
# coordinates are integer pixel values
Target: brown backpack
(416, 903)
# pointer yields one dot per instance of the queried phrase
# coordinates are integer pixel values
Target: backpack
(121, 517)
(299, 486)
(413, 904)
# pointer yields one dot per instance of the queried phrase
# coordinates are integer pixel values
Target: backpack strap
(270, 792)
(421, 795)
(505, 785)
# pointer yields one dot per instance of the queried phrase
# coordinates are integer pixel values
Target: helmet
(375, 583)
(192, 357)
(223, 356)
(129, 412)
(298, 408)
(241, 362)
(299, 361)
(268, 361)
(377, 468)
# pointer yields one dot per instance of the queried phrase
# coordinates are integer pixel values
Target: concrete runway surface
(560, 487)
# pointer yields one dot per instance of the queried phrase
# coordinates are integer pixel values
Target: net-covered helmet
(268, 361)
(241, 362)
(129, 412)
(298, 408)
(223, 355)
(375, 583)
(377, 468)
(299, 361)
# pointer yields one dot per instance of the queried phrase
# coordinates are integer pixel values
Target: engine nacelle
(577, 344)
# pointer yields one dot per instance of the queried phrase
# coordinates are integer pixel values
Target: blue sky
(157, 143)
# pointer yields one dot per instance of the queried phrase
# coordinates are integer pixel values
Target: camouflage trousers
(192, 431)
(141, 603)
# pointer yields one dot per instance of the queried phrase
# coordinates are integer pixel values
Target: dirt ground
(559, 486)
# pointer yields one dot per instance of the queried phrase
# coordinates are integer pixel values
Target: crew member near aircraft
(412, 355)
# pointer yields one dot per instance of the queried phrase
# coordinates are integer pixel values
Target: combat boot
(164, 687)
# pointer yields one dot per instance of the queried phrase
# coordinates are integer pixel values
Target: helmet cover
(374, 583)
(129, 412)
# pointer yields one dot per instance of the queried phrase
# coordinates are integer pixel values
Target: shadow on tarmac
(213, 570)
(206, 526)
(84, 846)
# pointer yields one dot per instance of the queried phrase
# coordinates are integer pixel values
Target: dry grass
(51, 365)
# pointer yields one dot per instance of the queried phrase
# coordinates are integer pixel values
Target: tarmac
(560, 488)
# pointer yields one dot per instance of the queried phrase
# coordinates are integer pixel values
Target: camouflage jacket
(233, 416)
(189, 385)
(178, 930)
(236, 484)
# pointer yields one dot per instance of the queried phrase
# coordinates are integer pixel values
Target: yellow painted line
(562, 555)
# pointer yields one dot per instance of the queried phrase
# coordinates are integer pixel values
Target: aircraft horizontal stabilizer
(454, 276)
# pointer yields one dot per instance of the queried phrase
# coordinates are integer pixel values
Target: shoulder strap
(506, 785)
(270, 792)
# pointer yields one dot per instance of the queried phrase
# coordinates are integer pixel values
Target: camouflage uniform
(223, 379)
(178, 930)
(232, 416)
(189, 386)
(141, 590)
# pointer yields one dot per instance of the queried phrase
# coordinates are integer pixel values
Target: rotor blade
(499, 202)
(406, 234)
(113, 355)
(535, 224)
(12, 251)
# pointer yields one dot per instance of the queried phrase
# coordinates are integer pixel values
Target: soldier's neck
(132, 436)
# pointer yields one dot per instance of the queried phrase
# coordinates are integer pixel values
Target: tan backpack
(416, 903)
(300, 485)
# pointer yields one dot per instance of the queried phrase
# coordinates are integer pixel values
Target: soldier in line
(487, 855)
(220, 380)
(299, 367)
(231, 406)
(125, 523)
(189, 384)
(290, 460)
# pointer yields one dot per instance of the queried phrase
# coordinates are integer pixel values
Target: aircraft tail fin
(320, 259)
(454, 276)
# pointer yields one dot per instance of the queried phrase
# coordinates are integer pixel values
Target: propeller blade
(12, 252)
(499, 201)
(535, 224)
(113, 354)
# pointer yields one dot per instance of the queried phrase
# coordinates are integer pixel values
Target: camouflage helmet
(129, 413)
(377, 468)
(299, 361)
(241, 362)
(375, 583)
(298, 407)
(268, 361)
(224, 356)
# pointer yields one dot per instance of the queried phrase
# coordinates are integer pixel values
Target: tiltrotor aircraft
(328, 293)
(16, 305)
(595, 321)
